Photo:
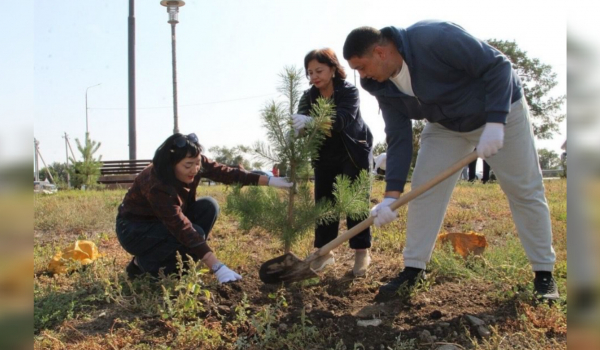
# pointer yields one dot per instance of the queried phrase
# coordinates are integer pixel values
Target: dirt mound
(338, 301)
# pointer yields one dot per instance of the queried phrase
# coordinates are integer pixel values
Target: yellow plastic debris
(465, 243)
(83, 251)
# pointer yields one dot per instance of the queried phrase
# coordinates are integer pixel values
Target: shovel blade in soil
(285, 268)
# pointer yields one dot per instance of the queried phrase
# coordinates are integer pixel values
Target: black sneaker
(133, 271)
(545, 285)
(406, 280)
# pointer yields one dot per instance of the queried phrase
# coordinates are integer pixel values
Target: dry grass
(96, 308)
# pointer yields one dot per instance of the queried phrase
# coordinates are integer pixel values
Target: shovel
(289, 268)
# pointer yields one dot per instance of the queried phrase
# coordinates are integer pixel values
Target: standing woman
(345, 152)
(160, 215)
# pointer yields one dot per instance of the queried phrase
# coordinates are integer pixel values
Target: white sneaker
(321, 262)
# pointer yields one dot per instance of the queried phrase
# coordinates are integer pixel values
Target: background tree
(548, 159)
(258, 165)
(563, 163)
(86, 171)
(232, 156)
(380, 147)
(60, 174)
(538, 79)
(418, 126)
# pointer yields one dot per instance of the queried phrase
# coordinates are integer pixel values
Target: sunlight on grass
(77, 211)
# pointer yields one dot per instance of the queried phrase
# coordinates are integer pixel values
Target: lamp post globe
(173, 9)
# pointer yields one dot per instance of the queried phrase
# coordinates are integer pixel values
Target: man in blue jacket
(472, 98)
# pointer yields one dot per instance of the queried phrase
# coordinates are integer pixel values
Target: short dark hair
(169, 154)
(361, 40)
(328, 57)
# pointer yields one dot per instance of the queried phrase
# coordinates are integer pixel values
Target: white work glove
(380, 162)
(492, 139)
(224, 274)
(299, 121)
(278, 182)
(383, 213)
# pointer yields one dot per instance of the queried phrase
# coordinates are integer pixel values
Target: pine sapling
(290, 215)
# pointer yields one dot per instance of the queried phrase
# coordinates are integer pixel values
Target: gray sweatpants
(517, 169)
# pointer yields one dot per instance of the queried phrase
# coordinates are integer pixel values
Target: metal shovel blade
(285, 268)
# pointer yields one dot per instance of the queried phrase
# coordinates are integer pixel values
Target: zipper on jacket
(349, 155)
(412, 86)
(418, 101)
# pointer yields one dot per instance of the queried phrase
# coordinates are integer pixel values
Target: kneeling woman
(160, 215)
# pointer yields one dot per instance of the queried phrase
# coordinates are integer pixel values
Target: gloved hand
(491, 140)
(383, 213)
(299, 121)
(380, 162)
(279, 182)
(224, 274)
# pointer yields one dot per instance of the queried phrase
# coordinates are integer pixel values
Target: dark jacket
(151, 200)
(458, 80)
(349, 130)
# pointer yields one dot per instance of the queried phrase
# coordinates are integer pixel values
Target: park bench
(121, 173)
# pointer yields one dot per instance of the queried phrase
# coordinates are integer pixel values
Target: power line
(189, 105)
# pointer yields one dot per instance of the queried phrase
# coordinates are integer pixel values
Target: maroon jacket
(149, 199)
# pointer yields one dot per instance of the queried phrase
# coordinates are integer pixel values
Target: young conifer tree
(291, 214)
(87, 171)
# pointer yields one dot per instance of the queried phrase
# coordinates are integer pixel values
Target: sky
(229, 55)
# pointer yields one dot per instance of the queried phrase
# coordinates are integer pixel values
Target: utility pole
(37, 160)
(38, 153)
(47, 169)
(67, 154)
(131, 46)
(70, 149)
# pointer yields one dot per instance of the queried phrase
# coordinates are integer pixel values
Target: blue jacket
(458, 80)
(349, 130)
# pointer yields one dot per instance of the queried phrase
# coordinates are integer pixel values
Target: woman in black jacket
(346, 152)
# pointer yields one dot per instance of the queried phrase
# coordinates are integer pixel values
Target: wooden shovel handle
(414, 193)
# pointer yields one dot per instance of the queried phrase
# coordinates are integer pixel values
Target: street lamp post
(131, 80)
(87, 130)
(173, 10)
